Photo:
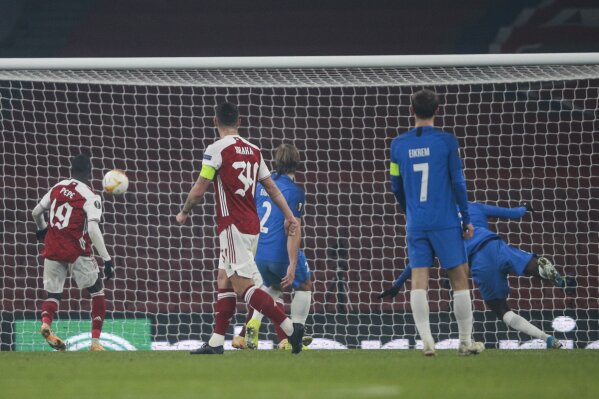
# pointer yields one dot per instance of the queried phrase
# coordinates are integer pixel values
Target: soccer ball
(115, 182)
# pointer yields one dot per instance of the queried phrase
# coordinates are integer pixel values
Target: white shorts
(237, 254)
(84, 270)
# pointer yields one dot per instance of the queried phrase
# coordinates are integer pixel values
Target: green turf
(313, 374)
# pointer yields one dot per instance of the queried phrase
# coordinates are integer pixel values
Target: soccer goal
(527, 124)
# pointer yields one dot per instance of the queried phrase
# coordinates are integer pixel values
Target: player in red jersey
(72, 228)
(235, 166)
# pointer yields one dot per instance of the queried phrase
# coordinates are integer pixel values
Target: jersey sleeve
(500, 212)
(394, 164)
(212, 157)
(93, 209)
(263, 171)
(46, 201)
(297, 203)
(458, 182)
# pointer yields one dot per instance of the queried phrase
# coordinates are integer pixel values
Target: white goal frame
(73, 71)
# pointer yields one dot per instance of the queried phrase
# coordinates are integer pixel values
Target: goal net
(528, 134)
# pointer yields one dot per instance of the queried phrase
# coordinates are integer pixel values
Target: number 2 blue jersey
(427, 159)
(272, 244)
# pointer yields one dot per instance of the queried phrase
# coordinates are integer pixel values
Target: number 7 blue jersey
(429, 164)
(272, 244)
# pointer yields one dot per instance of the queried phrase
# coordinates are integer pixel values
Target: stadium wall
(576, 329)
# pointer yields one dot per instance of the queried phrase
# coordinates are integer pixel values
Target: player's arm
(397, 186)
(397, 284)
(458, 185)
(211, 163)
(293, 246)
(296, 205)
(505, 213)
(397, 182)
(93, 212)
(38, 217)
(197, 192)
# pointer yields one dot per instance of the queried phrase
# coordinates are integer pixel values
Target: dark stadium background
(158, 28)
(159, 151)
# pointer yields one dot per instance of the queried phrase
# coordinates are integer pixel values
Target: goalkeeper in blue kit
(428, 182)
(492, 260)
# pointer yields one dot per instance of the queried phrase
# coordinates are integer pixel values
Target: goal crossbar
(354, 61)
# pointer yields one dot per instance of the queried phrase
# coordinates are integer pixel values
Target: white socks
(216, 340)
(519, 323)
(420, 311)
(287, 326)
(300, 306)
(462, 308)
(275, 294)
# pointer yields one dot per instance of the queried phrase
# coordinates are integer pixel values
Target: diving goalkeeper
(491, 261)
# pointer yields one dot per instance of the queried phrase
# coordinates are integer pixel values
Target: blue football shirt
(480, 213)
(428, 161)
(272, 244)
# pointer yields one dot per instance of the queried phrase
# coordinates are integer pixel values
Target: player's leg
(225, 310)
(259, 300)
(542, 267)
(98, 312)
(85, 271)
(450, 249)
(302, 297)
(300, 308)
(420, 254)
(239, 341)
(55, 274)
(513, 320)
(252, 322)
(253, 325)
(241, 279)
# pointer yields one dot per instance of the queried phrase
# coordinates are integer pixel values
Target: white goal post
(528, 125)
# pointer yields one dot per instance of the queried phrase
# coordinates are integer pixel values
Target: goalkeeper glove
(389, 292)
(41, 234)
(108, 269)
(528, 207)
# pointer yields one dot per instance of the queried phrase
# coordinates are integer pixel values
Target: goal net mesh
(527, 133)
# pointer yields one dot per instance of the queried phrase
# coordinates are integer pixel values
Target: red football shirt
(71, 204)
(239, 166)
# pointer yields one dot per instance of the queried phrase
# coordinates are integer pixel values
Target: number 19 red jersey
(239, 165)
(72, 204)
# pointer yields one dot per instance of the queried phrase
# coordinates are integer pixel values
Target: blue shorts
(447, 245)
(273, 272)
(491, 265)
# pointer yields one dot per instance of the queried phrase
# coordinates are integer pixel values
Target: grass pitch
(313, 374)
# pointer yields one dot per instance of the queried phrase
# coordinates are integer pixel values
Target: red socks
(49, 307)
(98, 314)
(225, 309)
(264, 304)
(280, 333)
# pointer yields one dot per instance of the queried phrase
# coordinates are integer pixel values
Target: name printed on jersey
(244, 150)
(419, 152)
(67, 193)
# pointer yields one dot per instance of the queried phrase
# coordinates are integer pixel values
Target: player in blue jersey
(280, 261)
(492, 260)
(428, 181)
